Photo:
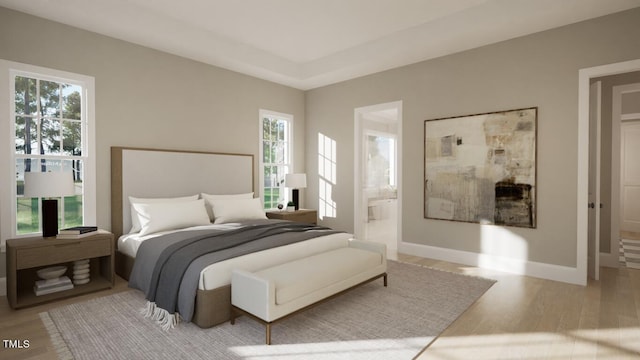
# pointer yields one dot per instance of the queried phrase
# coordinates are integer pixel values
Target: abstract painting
(482, 168)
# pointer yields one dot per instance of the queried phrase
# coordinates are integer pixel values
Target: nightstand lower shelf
(28, 298)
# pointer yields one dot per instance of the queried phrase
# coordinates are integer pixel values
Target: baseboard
(610, 260)
(520, 267)
(3, 286)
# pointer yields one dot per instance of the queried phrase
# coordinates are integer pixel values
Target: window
(50, 124)
(275, 156)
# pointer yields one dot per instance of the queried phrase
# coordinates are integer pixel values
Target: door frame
(358, 168)
(584, 77)
(595, 151)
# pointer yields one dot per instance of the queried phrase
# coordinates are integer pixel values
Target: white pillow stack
(232, 210)
(161, 216)
(210, 198)
(135, 222)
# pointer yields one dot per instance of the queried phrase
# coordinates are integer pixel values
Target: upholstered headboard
(169, 173)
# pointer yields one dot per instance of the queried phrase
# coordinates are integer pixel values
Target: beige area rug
(369, 322)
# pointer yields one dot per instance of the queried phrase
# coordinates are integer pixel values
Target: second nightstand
(302, 216)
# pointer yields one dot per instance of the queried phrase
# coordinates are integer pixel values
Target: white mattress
(219, 274)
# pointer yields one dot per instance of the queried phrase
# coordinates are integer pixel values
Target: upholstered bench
(274, 293)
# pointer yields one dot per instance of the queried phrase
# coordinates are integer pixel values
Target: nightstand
(302, 216)
(25, 256)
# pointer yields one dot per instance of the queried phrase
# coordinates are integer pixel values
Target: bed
(156, 173)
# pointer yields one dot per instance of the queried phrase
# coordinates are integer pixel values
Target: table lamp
(295, 182)
(49, 184)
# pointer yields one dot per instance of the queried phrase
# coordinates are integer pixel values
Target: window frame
(8, 72)
(288, 138)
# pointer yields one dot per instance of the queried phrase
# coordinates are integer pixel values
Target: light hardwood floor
(518, 318)
(528, 318)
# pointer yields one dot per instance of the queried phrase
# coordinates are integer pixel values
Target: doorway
(607, 250)
(377, 174)
(620, 183)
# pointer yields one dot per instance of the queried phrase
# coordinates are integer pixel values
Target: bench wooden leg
(268, 333)
(232, 319)
(385, 279)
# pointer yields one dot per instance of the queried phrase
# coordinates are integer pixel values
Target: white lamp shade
(48, 184)
(295, 181)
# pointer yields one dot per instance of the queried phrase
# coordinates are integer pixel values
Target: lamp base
(49, 218)
(295, 199)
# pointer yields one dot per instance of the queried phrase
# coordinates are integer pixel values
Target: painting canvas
(482, 168)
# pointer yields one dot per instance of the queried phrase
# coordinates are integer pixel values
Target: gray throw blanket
(168, 268)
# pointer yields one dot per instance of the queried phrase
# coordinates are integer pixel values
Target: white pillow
(230, 210)
(208, 198)
(135, 222)
(155, 217)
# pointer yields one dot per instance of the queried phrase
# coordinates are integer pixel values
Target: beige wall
(147, 98)
(537, 70)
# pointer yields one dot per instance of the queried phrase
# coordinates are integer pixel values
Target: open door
(595, 124)
(630, 175)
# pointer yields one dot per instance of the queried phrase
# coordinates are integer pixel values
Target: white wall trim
(3, 286)
(610, 260)
(630, 117)
(499, 263)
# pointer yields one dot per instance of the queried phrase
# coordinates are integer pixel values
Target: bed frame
(143, 172)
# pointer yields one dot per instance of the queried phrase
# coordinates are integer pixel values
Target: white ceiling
(311, 43)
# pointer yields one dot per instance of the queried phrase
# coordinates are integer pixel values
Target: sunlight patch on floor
(575, 344)
(359, 349)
